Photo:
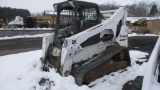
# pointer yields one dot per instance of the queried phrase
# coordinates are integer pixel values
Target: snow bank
(34, 28)
(28, 29)
(135, 34)
(25, 36)
(116, 80)
(23, 72)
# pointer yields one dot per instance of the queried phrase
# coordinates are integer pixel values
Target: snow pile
(116, 80)
(135, 34)
(18, 21)
(138, 55)
(25, 36)
(23, 72)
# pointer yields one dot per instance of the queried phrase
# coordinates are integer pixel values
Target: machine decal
(122, 39)
(123, 36)
(74, 41)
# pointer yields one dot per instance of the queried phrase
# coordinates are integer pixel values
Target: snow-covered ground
(23, 72)
(24, 36)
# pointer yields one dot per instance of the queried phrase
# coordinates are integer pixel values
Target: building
(50, 14)
(153, 26)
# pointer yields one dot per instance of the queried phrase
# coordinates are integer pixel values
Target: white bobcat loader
(83, 44)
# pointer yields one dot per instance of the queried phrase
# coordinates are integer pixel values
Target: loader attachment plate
(112, 59)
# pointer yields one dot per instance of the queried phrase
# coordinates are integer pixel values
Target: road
(141, 43)
(13, 46)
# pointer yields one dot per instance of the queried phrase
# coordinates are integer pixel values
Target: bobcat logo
(74, 41)
(123, 36)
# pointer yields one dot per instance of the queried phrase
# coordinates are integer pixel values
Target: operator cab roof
(73, 4)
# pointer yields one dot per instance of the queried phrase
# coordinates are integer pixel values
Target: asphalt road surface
(141, 43)
(13, 46)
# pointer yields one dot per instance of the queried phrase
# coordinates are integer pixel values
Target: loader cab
(74, 17)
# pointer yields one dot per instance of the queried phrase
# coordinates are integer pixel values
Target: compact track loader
(84, 44)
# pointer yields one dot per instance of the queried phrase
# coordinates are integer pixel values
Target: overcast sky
(41, 5)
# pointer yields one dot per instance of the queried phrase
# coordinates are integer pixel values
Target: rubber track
(81, 71)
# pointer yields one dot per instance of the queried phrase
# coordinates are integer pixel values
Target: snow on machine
(85, 44)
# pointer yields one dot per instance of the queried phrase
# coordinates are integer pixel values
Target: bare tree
(109, 6)
(137, 9)
(37, 14)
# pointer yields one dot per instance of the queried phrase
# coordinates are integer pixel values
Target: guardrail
(150, 81)
(9, 33)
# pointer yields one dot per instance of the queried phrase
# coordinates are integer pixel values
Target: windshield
(65, 24)
(71, 21)
(89, 13)
(66, 18)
